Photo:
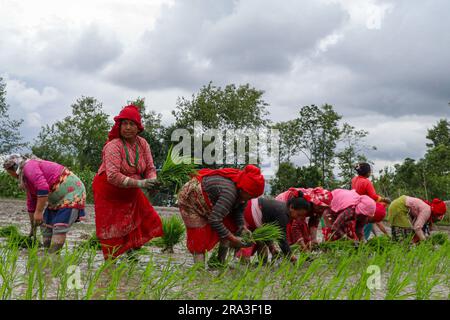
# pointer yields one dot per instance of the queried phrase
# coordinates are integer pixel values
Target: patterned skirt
(195, 208)
(66, 194)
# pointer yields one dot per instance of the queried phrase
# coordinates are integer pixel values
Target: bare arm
(40, 207)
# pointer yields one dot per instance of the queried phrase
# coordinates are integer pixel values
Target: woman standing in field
(125, 220)
(301, 231)
(212, 204)
(55, 197)
(363, 186)
(260, 211)
(348, 207)
(408, 216)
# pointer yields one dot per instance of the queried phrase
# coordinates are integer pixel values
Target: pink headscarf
(343, 199)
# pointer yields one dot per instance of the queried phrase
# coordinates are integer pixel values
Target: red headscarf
(130, 112)
(438, 208)
(380, 212)
(250, 179)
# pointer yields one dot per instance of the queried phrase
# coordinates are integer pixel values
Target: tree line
(330, 146)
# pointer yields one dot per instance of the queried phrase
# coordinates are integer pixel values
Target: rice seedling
(92, 242)
(173, 233)
(8, 231)
(438, 238)
(267, 232)
(176, 171)
(397, 282)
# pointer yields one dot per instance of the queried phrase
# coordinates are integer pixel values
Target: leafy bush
(9, 188)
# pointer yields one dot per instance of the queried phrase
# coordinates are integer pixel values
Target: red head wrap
(249, 180)
(130, 112)
(380, 212)
(438, 208)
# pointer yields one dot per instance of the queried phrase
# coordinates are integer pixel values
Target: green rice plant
(213, 259)
(8, 231)
(176, 171)
(338, 245)
(92, 242)
(426, 280)
(173, 233)
(14, 237)
(8, 274)
(438, 238)
(298, 290)
(398, 281)
(267, 232)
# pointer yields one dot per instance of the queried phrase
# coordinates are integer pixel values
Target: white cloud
(22, 96)
(33, 120)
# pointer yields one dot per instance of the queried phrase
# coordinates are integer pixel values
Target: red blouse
(116, 166)
(364, 186)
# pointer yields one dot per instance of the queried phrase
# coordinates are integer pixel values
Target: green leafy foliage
(10, 137)
(9, 187)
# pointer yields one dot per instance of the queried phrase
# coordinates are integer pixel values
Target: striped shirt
(224, 196)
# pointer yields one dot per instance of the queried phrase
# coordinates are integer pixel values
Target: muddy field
(420, 273)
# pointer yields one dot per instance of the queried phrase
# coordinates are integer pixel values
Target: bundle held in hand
(176, 171)
(266, 233)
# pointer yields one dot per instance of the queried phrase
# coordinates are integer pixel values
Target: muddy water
(14, 212)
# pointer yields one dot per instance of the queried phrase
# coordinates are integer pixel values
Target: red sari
(124, 217)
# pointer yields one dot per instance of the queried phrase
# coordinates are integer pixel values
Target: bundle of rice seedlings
(267, 232)
(14, 237)
(213, 261)
(173, 233)
(8, 231)
(176, 171)
(438, 238)
(23, 241)
(92, 242)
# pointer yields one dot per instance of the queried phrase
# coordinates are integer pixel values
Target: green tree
(291, 176)
(230, 108)
(289, 139)
(77, 140)
(439, 134)
(285, 178)
(352, 151)
(319, 133)
(10, 137)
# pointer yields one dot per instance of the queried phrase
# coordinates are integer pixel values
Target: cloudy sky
(384, 65)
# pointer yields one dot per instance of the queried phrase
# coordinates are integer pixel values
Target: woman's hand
(148, 183)
(38, 218)
(236, 242)
(243, 231)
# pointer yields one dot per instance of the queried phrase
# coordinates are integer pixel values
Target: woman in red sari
(212, 207)
(124, 218)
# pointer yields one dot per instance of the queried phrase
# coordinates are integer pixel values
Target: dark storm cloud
(86, 51)
(402, 68)
(198, 41)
